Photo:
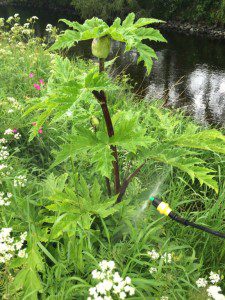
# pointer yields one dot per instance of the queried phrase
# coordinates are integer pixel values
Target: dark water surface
(190, 71)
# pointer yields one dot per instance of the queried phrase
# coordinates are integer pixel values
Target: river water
(189, 73)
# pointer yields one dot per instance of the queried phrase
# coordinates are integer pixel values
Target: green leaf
(191, 165)
(146, 21)
(79, 143)
(146, 54)
(129, 133)
(150, 34)
(103, 158)
(66, 40)
(129, 21)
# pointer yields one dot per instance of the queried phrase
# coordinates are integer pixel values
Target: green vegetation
(208, 12)
(79, 156)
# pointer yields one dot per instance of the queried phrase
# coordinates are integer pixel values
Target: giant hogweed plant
(124, 133)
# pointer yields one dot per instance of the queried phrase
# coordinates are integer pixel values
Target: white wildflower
(167, 257)
(3, 141)
(8, 131)
(8, 248)
(152, 270)
(20, 180)
(214, 292)
(4, 154)
(17, 136)
(49, 28)
(153, 254)
(201, 282)
(110, 283)
(214, 277)
(164, 298)
(122, 295)
(5, 199)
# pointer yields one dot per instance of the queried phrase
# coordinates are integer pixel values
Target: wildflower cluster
(212, 289)
(110, 283)
(13, 104)
(5, 199)
(4, 154)
(20, 180)
(9, 247)
(12, 132)
(154, 255)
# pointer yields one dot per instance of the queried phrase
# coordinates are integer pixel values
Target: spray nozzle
(162, 207)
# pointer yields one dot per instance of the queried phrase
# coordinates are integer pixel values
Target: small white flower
(122, 295)
(20, 180)
(153, 254)
(214, 277)
(8, 131)
(22, 253)
(201, 282)
(101, 288)
(117, 278)
(167, 257)
(111, 265)
(17, 136)
(214, 292)
(108, 284)
(164, 298)
(152, 270)
(103, 265)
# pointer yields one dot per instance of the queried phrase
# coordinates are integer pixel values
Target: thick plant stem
(107, 181)
(127, 181)
(101, 97)
(101, 65)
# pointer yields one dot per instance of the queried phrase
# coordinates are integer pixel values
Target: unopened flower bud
(101, 47)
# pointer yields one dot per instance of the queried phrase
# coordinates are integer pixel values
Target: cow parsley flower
(20, 180)
(201, 282)
(9, 246)
(153, 254)
(214, 277)
(4, 154)
(152, 270)
(8, 131)
(17, 136)
(110, 283)
(3, 141)
(49, 28)
(167, 258)
(214, 292)
(5, 199)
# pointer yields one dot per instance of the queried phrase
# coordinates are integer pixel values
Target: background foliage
(204, 11)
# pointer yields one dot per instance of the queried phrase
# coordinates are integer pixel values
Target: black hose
(185, 222)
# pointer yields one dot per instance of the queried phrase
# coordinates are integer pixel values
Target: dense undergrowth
(59, 222)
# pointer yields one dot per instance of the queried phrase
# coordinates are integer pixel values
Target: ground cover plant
(79, 156)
